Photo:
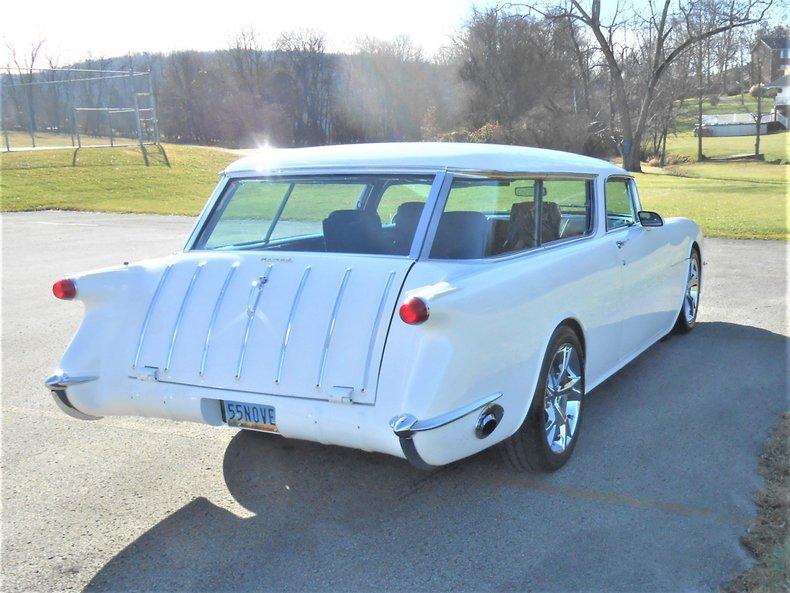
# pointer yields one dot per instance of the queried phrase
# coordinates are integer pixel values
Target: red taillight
(64, 289)
(414, 311)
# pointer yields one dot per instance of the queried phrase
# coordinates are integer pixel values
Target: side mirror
(649, 219)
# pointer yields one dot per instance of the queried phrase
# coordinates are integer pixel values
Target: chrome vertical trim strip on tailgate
(287, 333)
(374, 330)
(180, 316)
(252, 306)
(214, 315)
(331, 328)
(151, 306)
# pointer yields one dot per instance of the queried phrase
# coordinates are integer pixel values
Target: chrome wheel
(562, 400)
(691, 302)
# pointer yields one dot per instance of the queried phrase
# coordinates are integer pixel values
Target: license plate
(253, 416)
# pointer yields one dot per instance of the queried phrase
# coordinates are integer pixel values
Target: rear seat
(354, 231)
(406, 219)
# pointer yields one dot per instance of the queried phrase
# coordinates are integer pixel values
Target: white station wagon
(421, 300)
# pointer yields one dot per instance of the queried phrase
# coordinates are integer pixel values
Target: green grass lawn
(684, 144)
(49, 139)
(738, 200)
(687, 111)
(111, 179)
(742, 199)
(773, 146)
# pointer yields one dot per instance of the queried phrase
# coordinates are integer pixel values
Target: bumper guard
(405, 426)
(58, 383)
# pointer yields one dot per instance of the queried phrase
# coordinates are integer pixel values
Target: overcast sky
(78, 29)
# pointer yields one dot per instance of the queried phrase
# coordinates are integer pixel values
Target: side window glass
(397, 194)
(485, 218)
(400, 209)
(566, 211)
(619, 210)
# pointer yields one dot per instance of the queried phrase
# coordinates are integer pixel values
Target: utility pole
(759, 88)
(700, 50)
(700, 156)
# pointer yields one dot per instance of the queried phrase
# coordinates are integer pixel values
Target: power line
(68, 80)
(97, 71)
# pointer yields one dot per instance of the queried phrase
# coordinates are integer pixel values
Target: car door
(638, 250)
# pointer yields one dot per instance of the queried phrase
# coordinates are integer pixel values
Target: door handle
(620, 243)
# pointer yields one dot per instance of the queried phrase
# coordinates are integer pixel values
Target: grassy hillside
(687, 110)
(773, 146)
(743, 200)
(111, 180)
(684, 143)
(738, 200)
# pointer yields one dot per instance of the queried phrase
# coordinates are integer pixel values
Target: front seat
(406, 219)
(522, 225)
(353, 231)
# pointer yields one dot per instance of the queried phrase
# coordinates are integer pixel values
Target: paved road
(655, 498)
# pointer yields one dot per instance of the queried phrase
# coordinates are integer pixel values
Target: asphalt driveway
(655, 498)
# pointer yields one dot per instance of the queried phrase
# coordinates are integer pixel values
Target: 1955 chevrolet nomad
(421, 300)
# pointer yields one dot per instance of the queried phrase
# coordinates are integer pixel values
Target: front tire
(687, 318)
(546, 439)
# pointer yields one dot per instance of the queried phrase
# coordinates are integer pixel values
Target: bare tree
(672, 32)
(307, 73)
(25, 67)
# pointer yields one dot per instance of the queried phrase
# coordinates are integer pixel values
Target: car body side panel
(678, 235)
(487, 332)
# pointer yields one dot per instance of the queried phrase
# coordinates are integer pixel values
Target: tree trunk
(631, 155)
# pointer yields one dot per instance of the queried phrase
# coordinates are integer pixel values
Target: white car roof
(421, 155)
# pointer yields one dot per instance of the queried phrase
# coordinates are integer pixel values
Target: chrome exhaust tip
(488, 420)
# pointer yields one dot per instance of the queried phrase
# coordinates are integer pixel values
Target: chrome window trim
(404, 169)
(417, 241)
(631, 185)
(486, 174)
(426, 216)
(208, 208)
(442, 202)
(505, 257)
(331, 170)
(434, 204)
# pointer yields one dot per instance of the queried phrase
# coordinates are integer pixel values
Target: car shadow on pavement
(655, 497)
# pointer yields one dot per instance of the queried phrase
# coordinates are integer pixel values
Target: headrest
(351, 216)
(408, 212)
(461, 235)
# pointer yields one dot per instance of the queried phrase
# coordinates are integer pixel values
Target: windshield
(370, 214)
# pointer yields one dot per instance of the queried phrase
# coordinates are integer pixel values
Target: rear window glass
(373, 214)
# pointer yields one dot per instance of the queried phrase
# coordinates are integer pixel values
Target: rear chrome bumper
(58, 383)
(405, 426)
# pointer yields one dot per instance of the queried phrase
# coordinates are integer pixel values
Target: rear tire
(687, 317)
(546, 439)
